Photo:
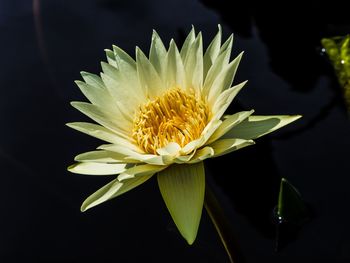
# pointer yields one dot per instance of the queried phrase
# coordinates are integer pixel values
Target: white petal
(229, 122)
(257, 126)
(115, 123)
(157, 54)
(97, 168)
(112, 190)
(182, 188)
(148, 76)
(140, 170)
(175, 72)
(225, 146)
(193, 65)
(212, 52)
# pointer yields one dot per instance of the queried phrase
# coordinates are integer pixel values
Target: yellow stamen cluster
(176, 116)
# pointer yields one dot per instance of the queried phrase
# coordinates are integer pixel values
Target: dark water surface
(41, 56)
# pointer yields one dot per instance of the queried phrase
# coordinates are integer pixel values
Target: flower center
(176, 116)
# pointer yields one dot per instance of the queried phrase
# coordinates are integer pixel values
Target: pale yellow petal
(97, 131)
(140, 170)
(148, 76)
(193, 65)
(112, 190)
(115, 123)
(98, 96)
(202, 154)
(157, 54)
(224, 79)
(256, 126)
(175, 72)
(111, 58)
(212, 52)
(171, 148)
(207, 132)
(128, 71)
(132, 155)
(224, 100)
(90, 168)
(182, 188)
(229, 122)
(123, 92)
(225, 146)
(187, 44)
(102, 157)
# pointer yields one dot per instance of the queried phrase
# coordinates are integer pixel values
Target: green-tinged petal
(140, 170)
(227, 46)
(175, 69)
(101, 157)
(206, 134)
(225, 146)
(93, 80)
(115, 123)
(98, 131)
(193, 65)
(202, 154)
(97, 96)
(97, 168)
(148, 76)
(112, 190)
(224, 100)
(157, 54)
(110, 70)
(219, 65)
(212, 52)
(256, 126)
(229, 122)
(123, 92)
(187, 44)
(224, 79)
(128, 72)
(182, 188)
(185, 158)
(111, 57)
(133, 155)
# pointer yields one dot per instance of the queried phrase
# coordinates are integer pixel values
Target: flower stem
(221, 225)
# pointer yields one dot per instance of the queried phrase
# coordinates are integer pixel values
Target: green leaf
(182, 187)
(256, 126)
(290, 208)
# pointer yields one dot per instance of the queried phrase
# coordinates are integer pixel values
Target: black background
(42, 54)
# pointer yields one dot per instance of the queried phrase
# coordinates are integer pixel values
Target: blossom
(163, 115)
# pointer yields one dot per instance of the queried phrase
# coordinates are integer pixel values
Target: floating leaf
(338, 51)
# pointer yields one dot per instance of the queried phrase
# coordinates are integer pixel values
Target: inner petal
(176, 116)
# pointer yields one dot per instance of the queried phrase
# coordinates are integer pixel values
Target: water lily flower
(163, 115)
